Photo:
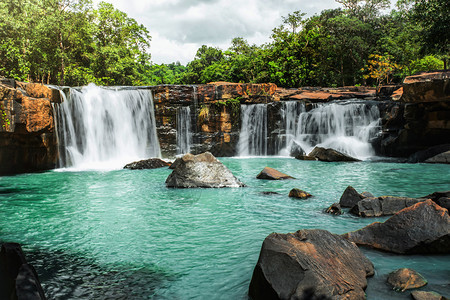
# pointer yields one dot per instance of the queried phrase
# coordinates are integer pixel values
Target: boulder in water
(309, 261)
(305, 157)
(151, 163)
(442, 158)
(423, 228)
(272, 174)
(330, 155)
(423, 295)
(350, 197)
(382, 206)
(18, 279)
(334, 209)
(298, 193)
(201, 171)
(431, 154)
(405, 279)
(296, 150)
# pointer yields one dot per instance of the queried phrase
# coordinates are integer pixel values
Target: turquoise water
(123, 234)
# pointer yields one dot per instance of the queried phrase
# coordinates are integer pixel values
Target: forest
(71, 42)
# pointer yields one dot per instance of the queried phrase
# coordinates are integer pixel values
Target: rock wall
(27, 137)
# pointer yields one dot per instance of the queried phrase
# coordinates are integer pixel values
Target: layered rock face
(420, 118)
(27, 131)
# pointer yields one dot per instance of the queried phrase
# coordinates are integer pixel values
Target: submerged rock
(18, 279)
(423, 295)
(382, 206)
(305, 157)
(350, 197)
(202, 170)
(405, 279)
(423, 228)
(298, 193)
(309, 261)
(330, 155)
(152, 163)
(334, 209)
(272, 174)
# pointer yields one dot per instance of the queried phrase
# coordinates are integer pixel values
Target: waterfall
(344, 126)
(253, 135)
(184, 135)
(100, 128)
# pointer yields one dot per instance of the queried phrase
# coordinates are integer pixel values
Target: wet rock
(442, 158)
(18, 279)
(441, 198)
(431, 154)
(298, 193)
(382, 206)
(270, 193)
(296, 150)
(202, 170)
(444, 202)
(367, 194)
(305, 157)
(334, 209)
(330, 155)
(423, 295)
(309, 260)
(405, 279)
(350, 197)
(272, 174)
(151, 163)
(423, 228)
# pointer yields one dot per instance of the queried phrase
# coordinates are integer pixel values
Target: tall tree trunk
(342, 71)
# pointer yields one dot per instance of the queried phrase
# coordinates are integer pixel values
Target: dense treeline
(71, 42)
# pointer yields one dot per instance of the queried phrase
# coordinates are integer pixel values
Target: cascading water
(101, 128)
(253, 135)
(184, 135)
(345, 126)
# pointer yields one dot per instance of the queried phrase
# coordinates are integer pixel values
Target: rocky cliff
(414, 117)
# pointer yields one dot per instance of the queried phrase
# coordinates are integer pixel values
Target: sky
(179, 27)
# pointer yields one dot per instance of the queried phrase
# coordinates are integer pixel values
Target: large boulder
(18, 279)
(350, 197)
(430, 155)
(272, 174)
(314, 262)
(424, 295)
(405, 279)
(382, 206)
(441, 198)
(423, 228)
(151, 163)
(202, 170)
(329, 155)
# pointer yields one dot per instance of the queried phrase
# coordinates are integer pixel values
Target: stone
(330, 155)
(298, 193)
(423, 228)
(334, 209)
(442, 158)
(18, 279)
(201, 171)
(444, 202)
(272, 174)
(151, 163)
(405, 279)
(382, 206)
(350, 197)
(270, 193)
(367, 195)
(441, 198)
(423, 295)
(316, 262)
(296, 150)
(305, 157)
(432, 153)
(427, 87)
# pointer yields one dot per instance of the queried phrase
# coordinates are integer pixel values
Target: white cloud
(179, 28)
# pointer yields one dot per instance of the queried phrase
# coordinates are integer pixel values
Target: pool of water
(123, 234)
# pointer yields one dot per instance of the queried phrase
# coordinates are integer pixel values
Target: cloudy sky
(179, 27)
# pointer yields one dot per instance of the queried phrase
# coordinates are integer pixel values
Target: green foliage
(4, 117)
(427, 63)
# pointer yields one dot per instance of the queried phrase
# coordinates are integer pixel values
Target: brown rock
(350, 197)
(151, 163)
(305, 157)
(37, 114)
(423, 295)
(405, 279)
(423, 228)
(298, 193)
(427, 87)
(382, 206)
(309, 261)
(330, 155)
(334, 209)
(272, 174)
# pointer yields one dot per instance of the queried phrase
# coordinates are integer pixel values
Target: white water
(253, 135)
(345, 126)
(184, 135)
(101, 128)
